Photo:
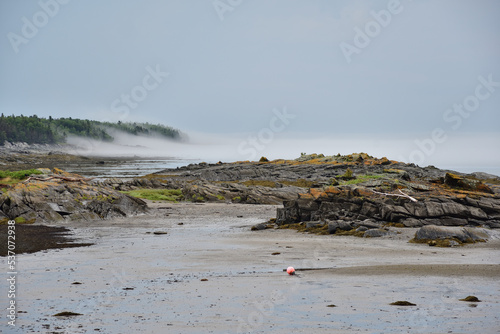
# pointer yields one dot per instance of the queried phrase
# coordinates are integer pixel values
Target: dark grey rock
(343, 225)
(332, 227)
(369, 209)
(314, 224)
(393, 212)
(412, 222)
(377, 233)
(370, 223)
(433, 232)
(259, 227)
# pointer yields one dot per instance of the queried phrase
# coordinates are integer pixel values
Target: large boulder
(464, 235)
(456, 181)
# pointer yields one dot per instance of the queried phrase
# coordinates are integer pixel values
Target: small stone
(402, 303)
(259, 227)
(66, 314)
(473, 299)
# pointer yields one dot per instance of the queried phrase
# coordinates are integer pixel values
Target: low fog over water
(465, 153)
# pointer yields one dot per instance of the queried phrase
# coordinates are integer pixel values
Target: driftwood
(398, 195)
(64, 178)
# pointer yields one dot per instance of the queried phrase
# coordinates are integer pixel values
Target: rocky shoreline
(355, 194)
(57, 196)
(18, 156)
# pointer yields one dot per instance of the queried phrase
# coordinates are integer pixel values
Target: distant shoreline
(60, 155)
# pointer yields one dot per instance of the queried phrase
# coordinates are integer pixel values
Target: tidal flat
(204, 271)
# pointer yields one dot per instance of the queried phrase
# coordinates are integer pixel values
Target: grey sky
(227, 75)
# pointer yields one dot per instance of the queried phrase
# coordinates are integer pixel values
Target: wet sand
(211, 274)
(34, 238)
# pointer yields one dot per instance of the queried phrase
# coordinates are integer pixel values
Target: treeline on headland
(37, 130)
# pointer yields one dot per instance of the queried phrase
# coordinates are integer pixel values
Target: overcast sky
(349, 68)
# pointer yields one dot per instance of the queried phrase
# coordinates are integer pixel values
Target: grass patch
(361, 179)
(298, 183)
(9, 178)
(18, 175)
(18, 220)
(170, 195)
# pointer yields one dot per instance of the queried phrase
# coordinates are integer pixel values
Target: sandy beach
(210, 274)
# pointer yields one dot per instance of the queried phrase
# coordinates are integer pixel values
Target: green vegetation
(263, 159)
(18, 175)
(298, 183)
(361, 179)
(347, 175)
(33, 129)
(18, 220)
(170, 195)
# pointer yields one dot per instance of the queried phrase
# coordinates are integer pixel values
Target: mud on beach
(35, 238)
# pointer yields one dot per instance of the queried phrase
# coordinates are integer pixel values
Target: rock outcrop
(60, 196)
(430, 233)
(439, 206)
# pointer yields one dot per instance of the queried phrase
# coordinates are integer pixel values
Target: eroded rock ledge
(355, 194)
(58, 196)
(437, 206)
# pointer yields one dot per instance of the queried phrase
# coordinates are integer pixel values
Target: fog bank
(467, 153)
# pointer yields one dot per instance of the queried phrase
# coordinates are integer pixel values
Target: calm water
(125, 168)
(134, 167)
